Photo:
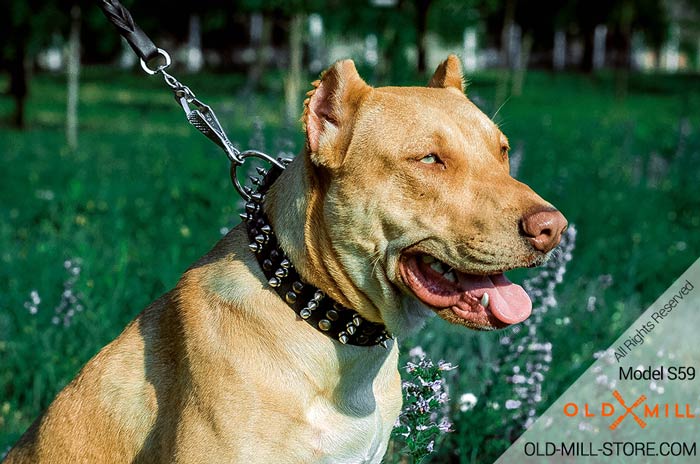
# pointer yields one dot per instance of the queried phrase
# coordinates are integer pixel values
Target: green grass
(145, 195)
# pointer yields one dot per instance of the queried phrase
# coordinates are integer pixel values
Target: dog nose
(543, 228)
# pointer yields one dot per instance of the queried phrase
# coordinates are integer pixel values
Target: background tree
(25, 26)
(622, 18)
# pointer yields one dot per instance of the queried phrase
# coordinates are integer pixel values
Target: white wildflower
(467, 401)
(417, 352)
(513, 404)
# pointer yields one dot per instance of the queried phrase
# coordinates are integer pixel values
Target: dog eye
(430, 158)
(504, 153)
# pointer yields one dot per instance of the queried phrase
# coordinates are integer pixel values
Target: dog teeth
(440, 268)
(485, 300)
(437, 267)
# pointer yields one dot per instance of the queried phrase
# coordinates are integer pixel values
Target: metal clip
(202, 117)
(205, 121)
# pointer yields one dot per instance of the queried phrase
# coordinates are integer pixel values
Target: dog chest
(347, 436)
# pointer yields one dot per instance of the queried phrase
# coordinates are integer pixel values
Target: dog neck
(308, 278)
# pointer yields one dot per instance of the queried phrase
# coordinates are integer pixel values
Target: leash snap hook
(184, 96)
(205, 121)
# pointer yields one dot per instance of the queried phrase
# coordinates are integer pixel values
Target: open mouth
(478, 301)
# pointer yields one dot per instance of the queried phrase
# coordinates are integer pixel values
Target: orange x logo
(628, 410)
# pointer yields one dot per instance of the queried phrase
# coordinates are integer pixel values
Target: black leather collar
(310, 303)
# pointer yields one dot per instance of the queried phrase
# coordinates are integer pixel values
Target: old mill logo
(639, 410)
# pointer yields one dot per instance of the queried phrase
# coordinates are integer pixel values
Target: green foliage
(448, 18)
(35, 20)
(145, 195)
(423, 419)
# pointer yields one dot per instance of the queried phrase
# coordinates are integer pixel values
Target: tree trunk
(292, 82)
(626, 50)
(588, 43)
(519, 73)
(73, 72)
(599, 46)
(508, 19)
(18, 77)
(470, 49)
(260, 39)
(422, 7)
(559, 51)
(195, 58)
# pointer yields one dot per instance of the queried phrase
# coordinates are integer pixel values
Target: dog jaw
(478, 301)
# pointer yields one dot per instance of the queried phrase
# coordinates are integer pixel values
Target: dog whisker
(375, 260)
(500, 107)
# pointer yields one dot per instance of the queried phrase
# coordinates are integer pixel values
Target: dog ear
(448, 74)
(328, 112)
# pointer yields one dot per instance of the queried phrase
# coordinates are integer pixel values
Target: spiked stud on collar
(311, 304)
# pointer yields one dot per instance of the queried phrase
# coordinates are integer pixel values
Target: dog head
(412, 207)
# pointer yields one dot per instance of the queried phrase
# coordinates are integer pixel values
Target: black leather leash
(142, 45)
(310, 303)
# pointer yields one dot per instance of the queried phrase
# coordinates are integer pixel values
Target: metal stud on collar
(311, 304)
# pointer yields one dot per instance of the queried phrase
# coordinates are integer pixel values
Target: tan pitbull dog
(401, 206)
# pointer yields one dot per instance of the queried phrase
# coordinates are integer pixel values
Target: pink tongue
(507, 301)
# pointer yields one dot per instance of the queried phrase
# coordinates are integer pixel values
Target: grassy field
(89, 237)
